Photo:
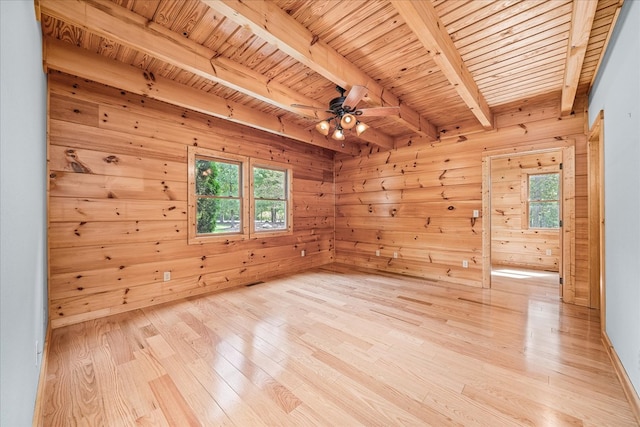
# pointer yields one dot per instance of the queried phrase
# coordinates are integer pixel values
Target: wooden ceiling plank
(612, 25)
(366, 30)
(64, 57)
(325, 27)
(275, 26)
(116, 23)
(505, 20)
(386, 50)
(515, 80)
(167, 11)
(528, 85)
(422, 18)
(488, 44)
(217, 40)
(463, 16)
(581, 21)
(520, 60)
(188, 17)
(203, 29)
(447, 7)
(146, 8)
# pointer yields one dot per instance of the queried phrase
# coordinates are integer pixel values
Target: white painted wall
(22, 210)
(617, 92)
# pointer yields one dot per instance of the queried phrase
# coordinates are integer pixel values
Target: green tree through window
(270, 198)
(219, 201)
(233, 197)
(544, 200)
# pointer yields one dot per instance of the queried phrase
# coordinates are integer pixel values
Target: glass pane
(215, 178)
(270, 215)
(544, 187)
(269, 184)
(544, 215)
(218, 216)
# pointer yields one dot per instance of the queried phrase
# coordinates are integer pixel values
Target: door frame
(595, 159)
(567, 238)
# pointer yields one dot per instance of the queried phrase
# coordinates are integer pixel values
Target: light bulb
(338, 134)
(323, 127)
(348, 121)
(361, 127)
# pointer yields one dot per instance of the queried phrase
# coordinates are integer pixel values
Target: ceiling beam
(62, 56)
(425, 23)
(116, 23)
(275, 26)
(581, 21)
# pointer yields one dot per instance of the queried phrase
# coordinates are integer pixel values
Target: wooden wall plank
(383, 199)
(416, 201)
(118, 209)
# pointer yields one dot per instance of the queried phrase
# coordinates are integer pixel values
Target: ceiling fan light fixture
(348, 121)
(338, 134)
(361, 127)
(323, 127)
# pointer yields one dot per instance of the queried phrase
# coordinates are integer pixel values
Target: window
(270, 210)
(222, 208)
(219, 200)
(544, 200)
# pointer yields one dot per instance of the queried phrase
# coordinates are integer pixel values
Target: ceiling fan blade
(355, 95)
(380, 111)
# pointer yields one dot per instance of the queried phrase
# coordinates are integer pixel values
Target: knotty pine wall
(417, 200)
(512, 242)
(118, 203)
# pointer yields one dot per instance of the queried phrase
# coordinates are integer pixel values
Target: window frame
(195, 153)
(288, 191)
(247, 199)
(526, 202)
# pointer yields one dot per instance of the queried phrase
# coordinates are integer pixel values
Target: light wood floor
(337, 347)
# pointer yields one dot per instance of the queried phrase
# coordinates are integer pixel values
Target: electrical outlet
(548, 252)
(303, 252)
(395, 254)
(167, 276)
(465, 263)
(377, 252)
(476, 213)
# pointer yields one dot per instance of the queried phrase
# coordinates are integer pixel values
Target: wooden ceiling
(446, 63)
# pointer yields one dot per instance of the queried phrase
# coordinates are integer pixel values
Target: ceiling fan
(345, 113)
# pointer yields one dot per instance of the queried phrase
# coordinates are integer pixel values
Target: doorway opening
(528, 203)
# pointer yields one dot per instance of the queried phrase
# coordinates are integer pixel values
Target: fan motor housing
(336, 104)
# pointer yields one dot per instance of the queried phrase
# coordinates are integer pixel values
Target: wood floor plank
(338, 346)
(173, 405)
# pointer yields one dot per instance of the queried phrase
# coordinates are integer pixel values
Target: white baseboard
(38, 416)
